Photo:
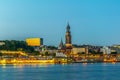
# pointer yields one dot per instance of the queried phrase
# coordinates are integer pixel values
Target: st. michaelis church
(68, 42)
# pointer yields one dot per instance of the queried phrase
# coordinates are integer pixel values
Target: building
(106, 50)
(34, 42)
(67, 48)
(60, 55)
(79, 50)
(61, 47)
(115, 49)
(2, 43)
(68, 37)
(68, 41)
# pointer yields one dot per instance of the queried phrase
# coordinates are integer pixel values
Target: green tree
(53, 54)
(46, 53)
(36, 53)
(14, 45)
(1, 54)
(51, 47)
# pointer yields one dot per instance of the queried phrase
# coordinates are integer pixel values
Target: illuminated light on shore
(14, 61)
(3, 61)
(105, 60)
(20, 61)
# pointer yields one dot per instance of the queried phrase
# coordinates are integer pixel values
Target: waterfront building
(34, 42)
(2, 43)
(60, 55)
(115, 49)
(79, 50)
(12, 54)
(62, 58)
(106, 50)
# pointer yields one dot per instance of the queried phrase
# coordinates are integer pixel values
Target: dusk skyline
(93, 22)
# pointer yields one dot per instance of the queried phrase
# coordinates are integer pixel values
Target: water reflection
(48, 65)
(84, 64)
(32, 65)
(76, 71)
(21, 67)
(24, 65)
(113, 62)
(3, 65)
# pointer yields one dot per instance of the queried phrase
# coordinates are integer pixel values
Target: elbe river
(76, 71)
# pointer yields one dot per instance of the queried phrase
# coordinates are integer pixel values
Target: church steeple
(61, 46)
(68, 37)
(68, 27)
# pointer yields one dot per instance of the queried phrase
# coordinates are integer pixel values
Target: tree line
(14, 45)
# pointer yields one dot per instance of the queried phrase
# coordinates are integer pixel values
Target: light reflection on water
(3, 65)
(78, 71)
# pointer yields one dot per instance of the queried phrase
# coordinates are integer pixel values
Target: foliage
(79, 53)
(95, 52)
(53, 54)
(1, 54)
(36, 53)
(46, 53)
(14, 45)
(51, 47)
(113, 52)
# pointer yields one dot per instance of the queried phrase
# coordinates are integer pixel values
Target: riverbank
(53, 61)
(19, 61)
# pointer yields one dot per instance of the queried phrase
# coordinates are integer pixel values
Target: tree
(1, 54)
(53, 54)
(51, 47)
(79, 53)
(46, 53)
(36, 53)
(14, 45)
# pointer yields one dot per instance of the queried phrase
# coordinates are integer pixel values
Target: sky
(95, 22)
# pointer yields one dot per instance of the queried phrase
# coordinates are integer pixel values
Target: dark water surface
(78, 71)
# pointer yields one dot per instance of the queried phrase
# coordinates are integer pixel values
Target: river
(76, 71)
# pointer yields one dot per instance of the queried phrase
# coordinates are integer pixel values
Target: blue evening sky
(94, 22)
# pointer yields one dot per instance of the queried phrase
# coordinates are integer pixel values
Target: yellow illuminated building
(4, 52)
(34, 41)
(78, 50)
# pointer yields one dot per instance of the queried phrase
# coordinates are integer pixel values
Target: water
(78, 71)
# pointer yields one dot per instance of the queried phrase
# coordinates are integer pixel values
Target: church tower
(68, 37)
(61, 46)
